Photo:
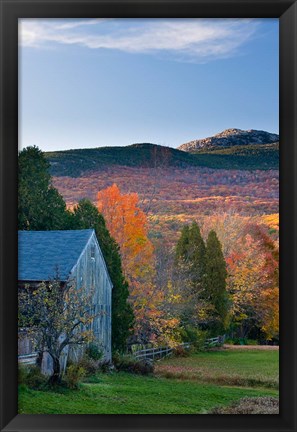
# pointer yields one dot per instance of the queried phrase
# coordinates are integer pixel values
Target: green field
(194, 386)
(245, 368)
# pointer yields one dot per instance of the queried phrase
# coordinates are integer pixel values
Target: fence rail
(161, 352)
(27, 359)
(156, 353)
(216, 341)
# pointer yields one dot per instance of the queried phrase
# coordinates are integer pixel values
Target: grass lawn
(253, 367)
(123, 393)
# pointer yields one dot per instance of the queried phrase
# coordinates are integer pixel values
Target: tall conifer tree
(182, 246)
(215, 282)
(40, 206)
(190, 254)
(197, 252)
(190, 269)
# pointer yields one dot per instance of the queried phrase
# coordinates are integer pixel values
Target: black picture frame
(11, 11)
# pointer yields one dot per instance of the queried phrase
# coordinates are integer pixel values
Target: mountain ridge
(74, 163)
(229, 138)
(77, 162)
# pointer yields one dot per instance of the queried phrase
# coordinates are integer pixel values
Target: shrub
(128, 363)
(22, 373)
(180, 351)
(89, 365)
(195, 336)
(239, 341)
(32, 377)
(106, 366)
(143, 367)
(94, 352)
(74, 375)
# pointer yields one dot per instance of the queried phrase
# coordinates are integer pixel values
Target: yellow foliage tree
(253, 283)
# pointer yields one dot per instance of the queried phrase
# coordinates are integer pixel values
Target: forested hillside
(75, 163)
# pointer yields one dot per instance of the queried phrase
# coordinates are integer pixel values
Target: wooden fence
(27, 359)
(156, 353)
(148, 353)
(216, 341)
(161, 352)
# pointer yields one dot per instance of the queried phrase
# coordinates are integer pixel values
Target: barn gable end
(90, 271)
(74, 257)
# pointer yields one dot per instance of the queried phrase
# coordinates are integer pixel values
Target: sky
(86, 83)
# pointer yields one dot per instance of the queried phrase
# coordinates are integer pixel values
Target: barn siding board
(89, 272)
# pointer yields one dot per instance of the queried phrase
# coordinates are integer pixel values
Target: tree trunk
(39, 359)
(55, 378)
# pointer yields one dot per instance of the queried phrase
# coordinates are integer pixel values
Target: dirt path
(253, 347)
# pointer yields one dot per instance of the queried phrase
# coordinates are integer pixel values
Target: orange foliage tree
(268, 306)
(245, 282)
(127, 224)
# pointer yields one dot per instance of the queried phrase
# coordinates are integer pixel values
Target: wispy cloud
(79, 23)
(188, 39)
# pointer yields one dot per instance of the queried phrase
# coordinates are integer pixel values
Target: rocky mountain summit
(230, 138)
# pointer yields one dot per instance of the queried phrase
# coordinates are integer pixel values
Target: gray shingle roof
(42, 253)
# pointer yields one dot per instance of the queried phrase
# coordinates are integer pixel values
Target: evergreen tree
(40, 206)
(182, 246)
(215, 282)
(197, 253)
(86, 215)
(190, 271)
(190, 254)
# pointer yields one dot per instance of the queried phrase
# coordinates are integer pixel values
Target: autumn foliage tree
(229, 227)
(244, 283)
(127, 223)
(56, 317)
(250, 247)
(253, 282)
(268, 306)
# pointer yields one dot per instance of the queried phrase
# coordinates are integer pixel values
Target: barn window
(93, 252)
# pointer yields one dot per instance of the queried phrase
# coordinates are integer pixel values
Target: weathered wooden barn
(75, 256)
